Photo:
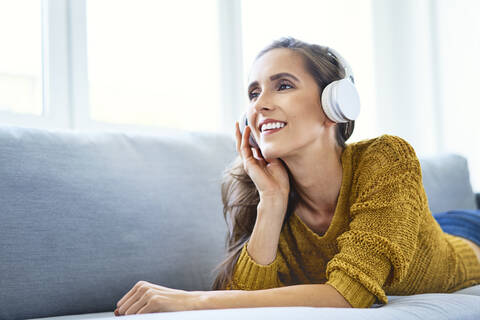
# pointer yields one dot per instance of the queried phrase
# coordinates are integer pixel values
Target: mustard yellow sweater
(383, 239)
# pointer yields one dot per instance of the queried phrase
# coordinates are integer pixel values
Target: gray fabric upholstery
(446, 179)
(459, 305)
(86, 216)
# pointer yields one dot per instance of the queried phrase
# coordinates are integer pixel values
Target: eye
(253, 94)
(283, 85)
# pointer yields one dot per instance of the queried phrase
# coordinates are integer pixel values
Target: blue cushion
(463, 223)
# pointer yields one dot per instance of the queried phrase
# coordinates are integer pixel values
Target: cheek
(303, 104)
(306, 127)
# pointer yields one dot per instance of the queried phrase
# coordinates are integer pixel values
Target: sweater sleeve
(249, 275)
(381, 240)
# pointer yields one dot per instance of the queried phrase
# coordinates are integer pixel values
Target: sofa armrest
(477, 196)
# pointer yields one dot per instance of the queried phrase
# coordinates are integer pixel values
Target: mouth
(271, 131)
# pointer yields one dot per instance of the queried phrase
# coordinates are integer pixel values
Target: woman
(305, 208)
(313, 221)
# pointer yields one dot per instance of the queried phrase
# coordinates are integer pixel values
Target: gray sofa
(84, 216)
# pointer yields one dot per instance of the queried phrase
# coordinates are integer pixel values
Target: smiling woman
(318, 222)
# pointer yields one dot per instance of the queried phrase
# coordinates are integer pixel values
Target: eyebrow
(275, 77)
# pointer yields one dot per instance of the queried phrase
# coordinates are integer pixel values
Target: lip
(268, 132)
(265, 121)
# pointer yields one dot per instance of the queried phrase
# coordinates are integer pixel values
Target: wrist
(276, 198)
(204, 300)
(216, 299)
(199, 300)
(274, 206)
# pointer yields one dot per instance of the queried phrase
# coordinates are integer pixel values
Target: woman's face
(280, 88)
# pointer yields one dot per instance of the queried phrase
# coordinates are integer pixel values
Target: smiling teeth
(272, 125)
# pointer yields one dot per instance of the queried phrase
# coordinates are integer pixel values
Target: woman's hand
(147, 297)
(271, 179)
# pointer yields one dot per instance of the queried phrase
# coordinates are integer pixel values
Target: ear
(329, 123)
(326, 120)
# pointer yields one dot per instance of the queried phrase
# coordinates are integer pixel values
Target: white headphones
(340, 99)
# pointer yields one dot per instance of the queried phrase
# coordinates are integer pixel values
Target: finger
(146, 309)
(238, 136)
(257, 155)
(245, 146)
(137, 305)
(251, 165)
(127, 296)
(137, 294)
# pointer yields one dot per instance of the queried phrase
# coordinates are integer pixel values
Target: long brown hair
(239, 195)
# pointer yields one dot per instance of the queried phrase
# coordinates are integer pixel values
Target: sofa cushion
(86, 216)
(463, 304)
(446, 179)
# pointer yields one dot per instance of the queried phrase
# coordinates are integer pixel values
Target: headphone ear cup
(340, 101)
(327, 104)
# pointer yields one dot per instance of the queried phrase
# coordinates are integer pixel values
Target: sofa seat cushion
(463, 304)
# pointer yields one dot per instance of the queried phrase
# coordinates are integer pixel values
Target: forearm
(308, 295)
(263, 243)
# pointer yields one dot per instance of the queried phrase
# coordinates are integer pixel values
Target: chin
(270, 154)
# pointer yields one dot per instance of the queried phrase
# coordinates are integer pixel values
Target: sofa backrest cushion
(446, 179)
(86, 216)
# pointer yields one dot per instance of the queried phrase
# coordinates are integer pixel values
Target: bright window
(154, 63)
(21, 57)
(459, 47)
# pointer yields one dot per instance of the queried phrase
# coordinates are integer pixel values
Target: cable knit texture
(383, 239)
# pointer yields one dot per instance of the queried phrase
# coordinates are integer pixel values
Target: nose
(263, 102)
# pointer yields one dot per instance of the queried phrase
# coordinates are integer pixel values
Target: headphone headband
(346, 67)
